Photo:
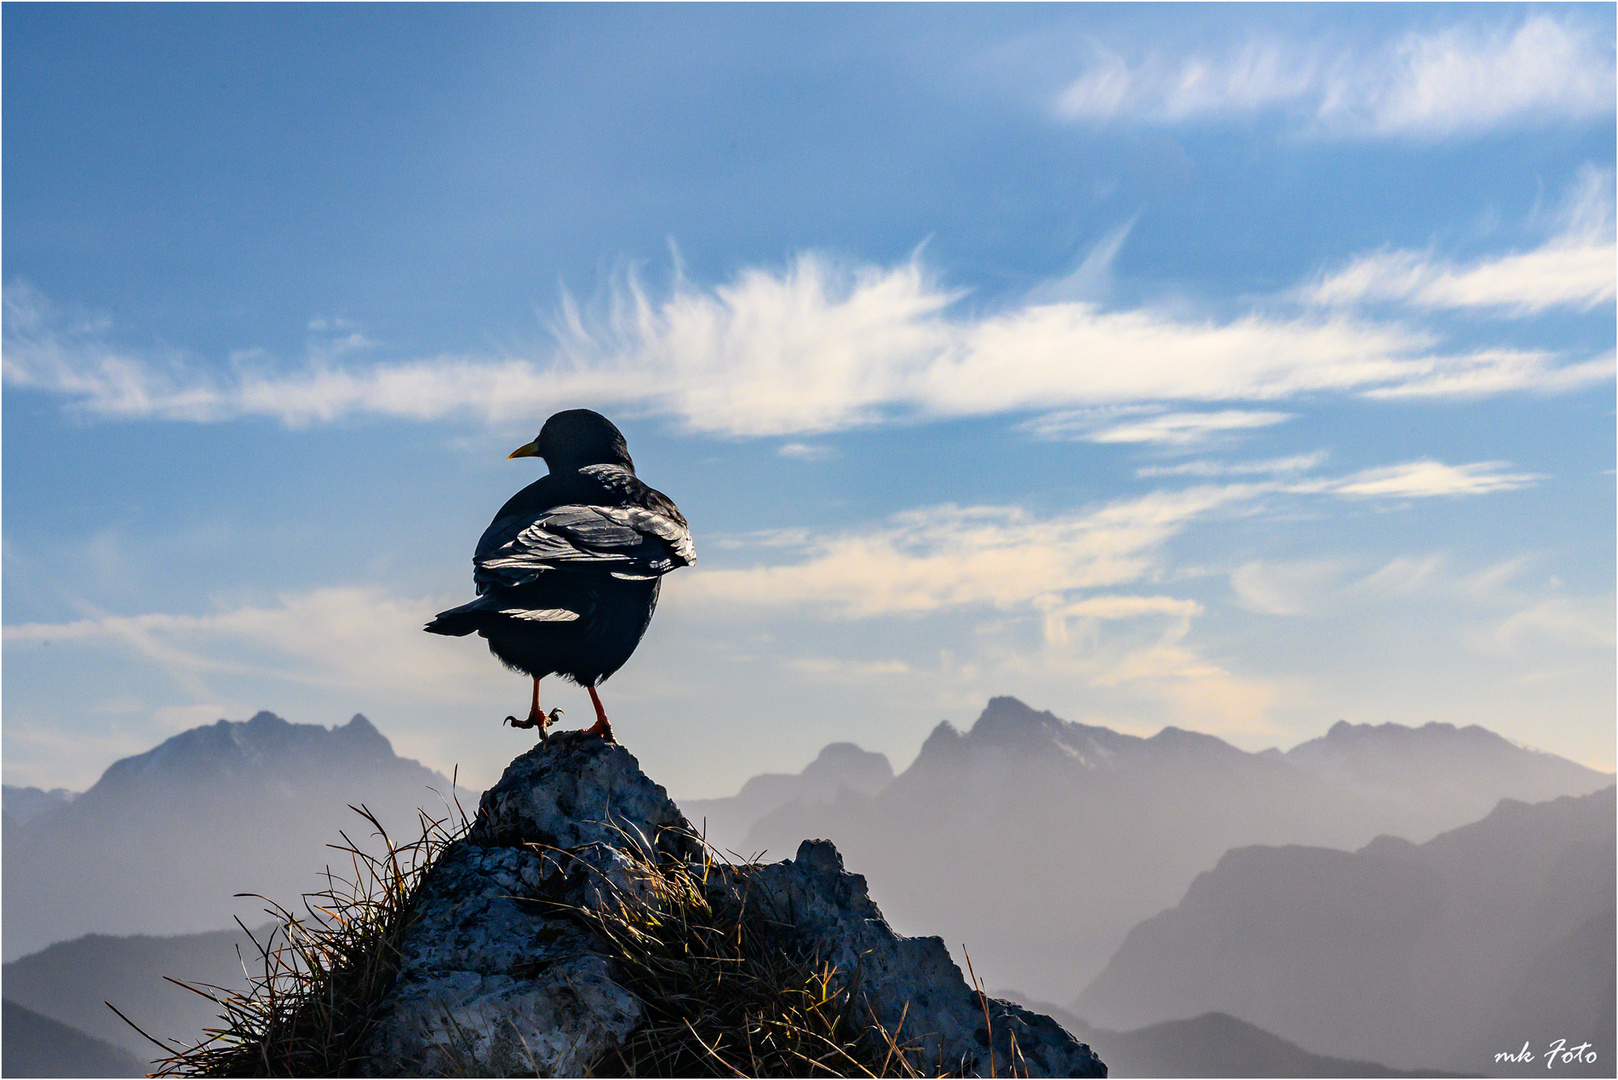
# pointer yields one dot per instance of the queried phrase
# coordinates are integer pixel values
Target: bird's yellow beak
(526, 450)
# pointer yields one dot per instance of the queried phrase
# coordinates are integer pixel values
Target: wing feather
(632, 542)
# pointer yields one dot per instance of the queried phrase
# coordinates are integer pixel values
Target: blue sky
(1237, 368)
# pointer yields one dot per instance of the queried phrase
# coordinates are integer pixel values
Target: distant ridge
(1439, 769)
(70, 981)
(1077, 832)
(163, 839)
(229, 751)
(26, 803)
(842, 768)
(1437, 955)
(1211, 1045)
(35, 1045)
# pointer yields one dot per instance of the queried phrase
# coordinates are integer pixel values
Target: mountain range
(35, 1045)
(1211, 1045)
(71, 981)
(1440, 955)
(840, 767)
(26, 803)
(164, 839)
(1039, 843)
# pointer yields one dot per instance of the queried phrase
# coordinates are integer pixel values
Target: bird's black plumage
(568, 572)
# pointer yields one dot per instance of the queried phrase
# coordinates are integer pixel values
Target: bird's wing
(629, 542)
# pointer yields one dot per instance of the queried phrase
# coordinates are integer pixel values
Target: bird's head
(576, 438)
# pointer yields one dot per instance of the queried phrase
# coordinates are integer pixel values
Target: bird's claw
(542, 721)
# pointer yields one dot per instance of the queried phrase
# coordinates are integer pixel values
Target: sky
(1234, 368)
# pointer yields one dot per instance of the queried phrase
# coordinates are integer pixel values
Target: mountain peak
(1343, 733)
(256, 749)
(1181, 741)
(845, 764)
(1008, 722)
(1009, 729)
(1438, 766)
(362, 734)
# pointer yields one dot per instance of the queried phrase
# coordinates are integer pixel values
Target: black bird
(568, 572)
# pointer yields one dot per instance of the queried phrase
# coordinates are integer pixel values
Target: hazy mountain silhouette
(1566, 986)
(35, 1045)
(26, 803)
(841, 766)
(1210, 1045)
(1438, 775)
(163, 839)
(1039, 842)
(1432, 956)
(69, 981)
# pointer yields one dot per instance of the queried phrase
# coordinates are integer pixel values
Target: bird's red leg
(535, 717)
(601, 727)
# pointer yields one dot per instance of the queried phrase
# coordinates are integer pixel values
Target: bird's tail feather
(488, 611)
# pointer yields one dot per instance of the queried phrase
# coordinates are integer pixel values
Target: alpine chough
(567, 574)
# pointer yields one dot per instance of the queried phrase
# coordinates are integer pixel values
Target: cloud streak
(812, 348)
(1150, 425)
(1573, 269)
(1000, 557)
(1454, 82)
(341, 636)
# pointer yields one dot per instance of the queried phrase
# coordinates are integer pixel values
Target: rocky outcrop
(498, 979)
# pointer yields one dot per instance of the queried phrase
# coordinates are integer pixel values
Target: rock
(497, 979)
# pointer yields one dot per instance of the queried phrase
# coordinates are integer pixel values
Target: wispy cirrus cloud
(340, 636)
(1575, 268)
(813, 347)
(1424, 480)
(949, 556)
(1461, 80)
(1281, 466)
(943, 557)
(1150, 424)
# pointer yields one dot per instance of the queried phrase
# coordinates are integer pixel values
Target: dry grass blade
(726, 989)
(322, 974)
(726, 986)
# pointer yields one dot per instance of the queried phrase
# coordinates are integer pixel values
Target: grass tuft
(726, 987)
(315, 985)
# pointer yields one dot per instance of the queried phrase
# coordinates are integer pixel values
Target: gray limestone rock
(494, 980)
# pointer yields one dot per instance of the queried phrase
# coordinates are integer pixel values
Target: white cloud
(340, 636)
(1402, 576)
(1559, 621)
(1497, 372)
(811, 349)
(1575, 275)
(1281, 466)
(806, 451)
(943, 557)
(1165, 428)
(1091, 280)
(1460, 80)
(1326, 586)
(1284, 588)
(1425, 479)
(1576, 268)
